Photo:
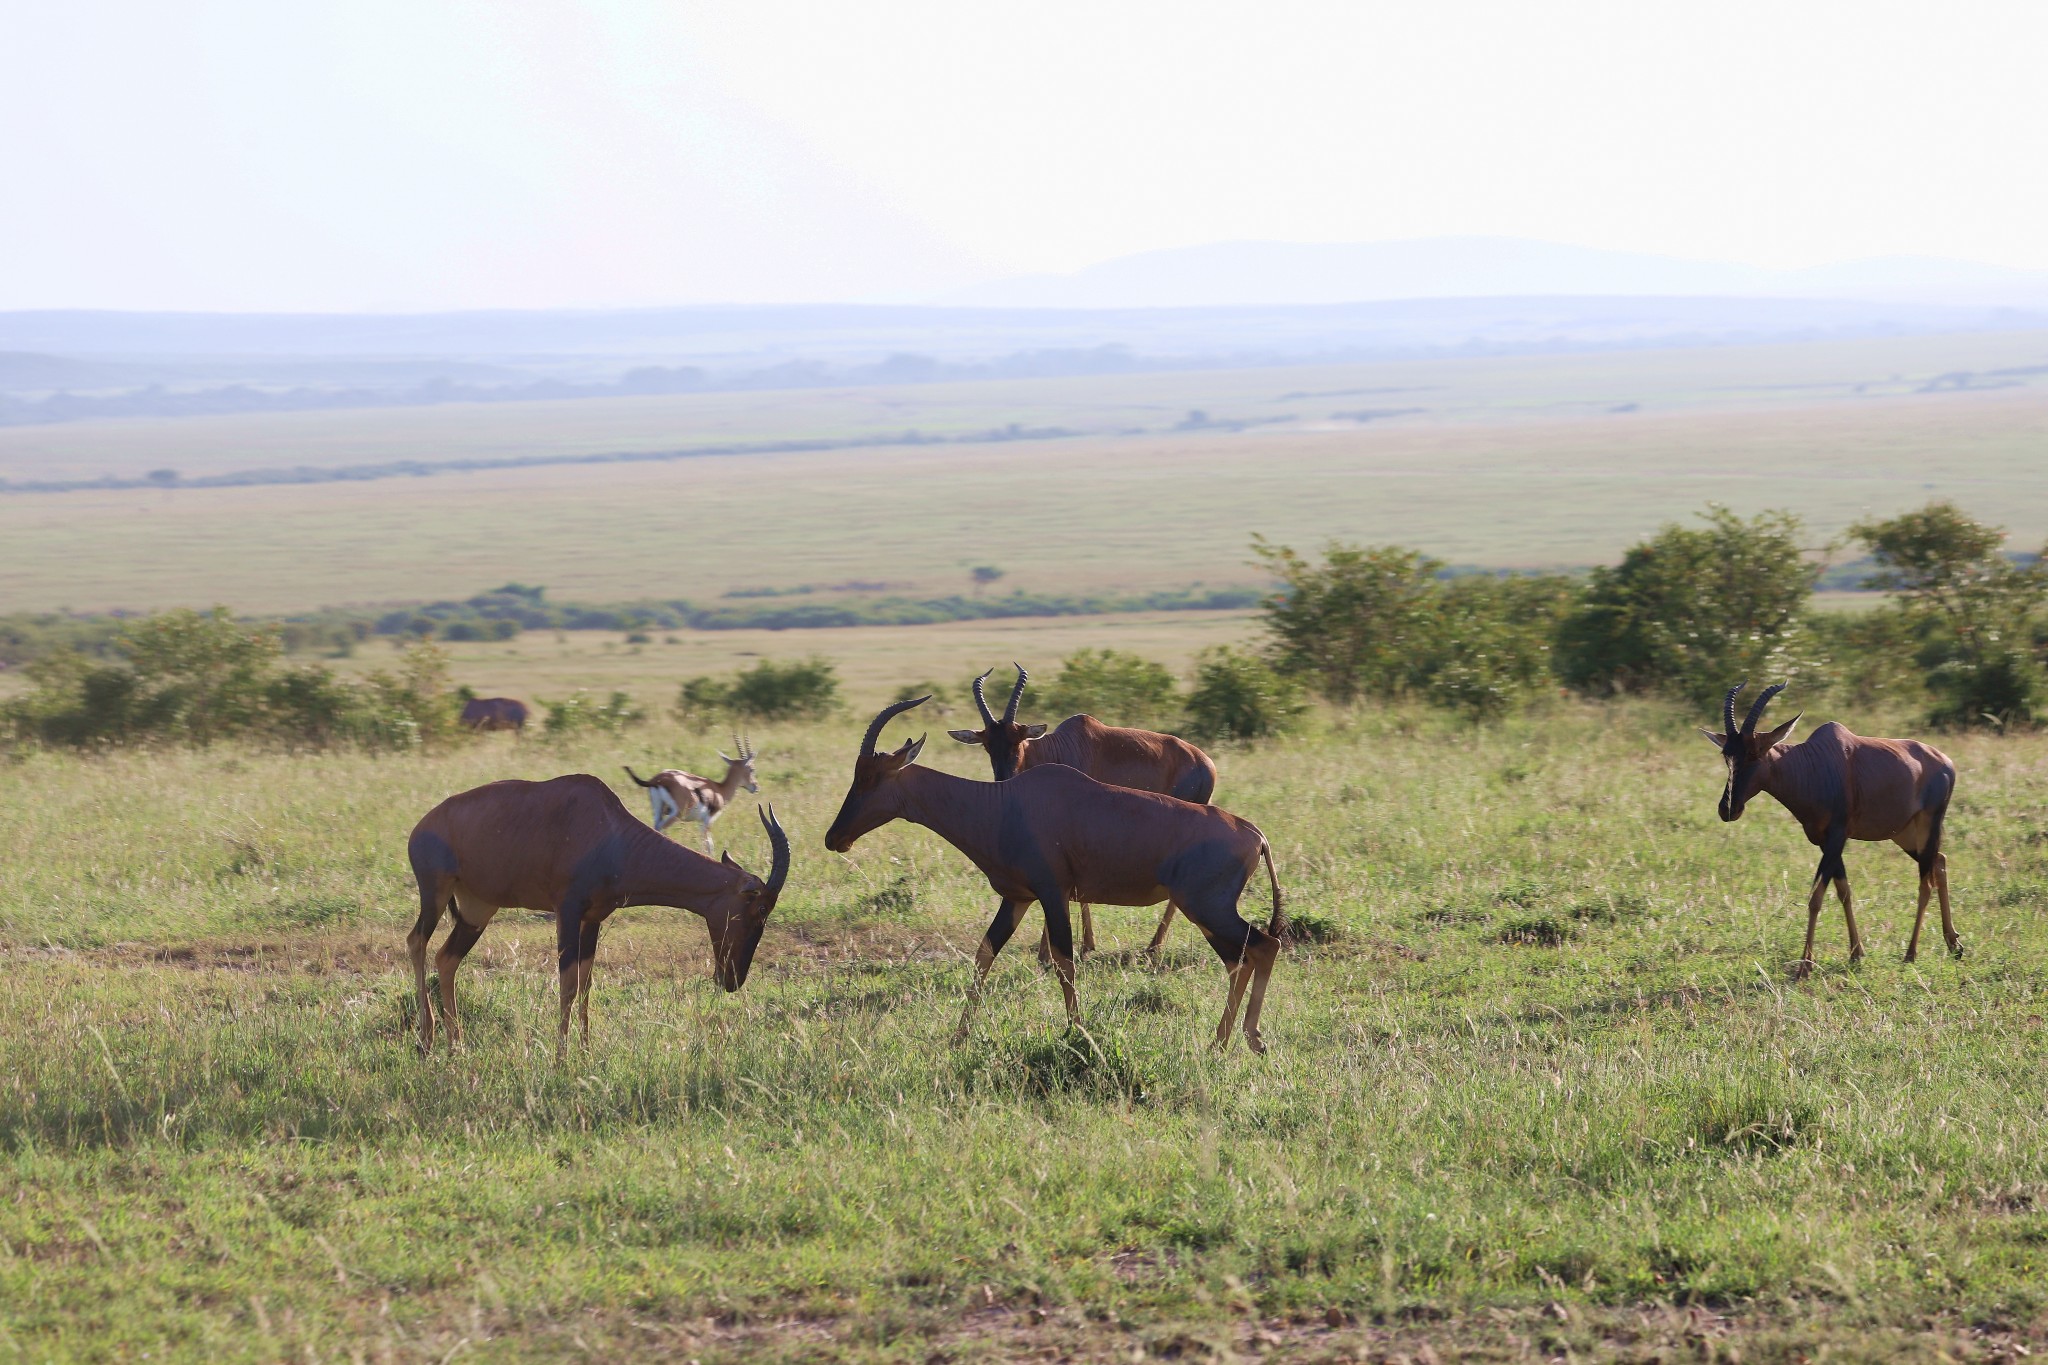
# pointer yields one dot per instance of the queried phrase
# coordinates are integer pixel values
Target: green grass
(1623, 1134)
(1516, 462)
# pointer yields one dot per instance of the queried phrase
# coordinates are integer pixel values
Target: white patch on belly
(665, 810)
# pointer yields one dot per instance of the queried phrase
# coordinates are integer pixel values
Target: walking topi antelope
(568, 847)
(1139, 759)
(677, 795)
(1052, 834)
(1839, 787)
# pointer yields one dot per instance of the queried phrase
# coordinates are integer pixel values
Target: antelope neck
(956, 809)
(658, 871)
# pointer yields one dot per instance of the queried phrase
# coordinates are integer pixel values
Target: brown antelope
(567, 847)
(1139, 759)
(1052, 834)
(494, 713)
(1839, 787)
(677, 795)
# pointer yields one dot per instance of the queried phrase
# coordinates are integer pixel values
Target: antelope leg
(1804, 966)
(461, 938)
(1059, 931)
(1948, 925)
(1262, 958)
(1920, 914)
(999, 930)
(1849, 915)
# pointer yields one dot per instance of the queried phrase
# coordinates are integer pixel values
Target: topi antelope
(494, 713)
(677, 795)
(1052, 834)
(1139, 759)
(568, 847)
(1839, 787)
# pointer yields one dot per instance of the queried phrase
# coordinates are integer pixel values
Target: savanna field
(1539, 1085)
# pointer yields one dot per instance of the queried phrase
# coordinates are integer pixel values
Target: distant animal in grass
(569, 848)
(1841, 786)
(1052, 834)
(676, 795)
(494, 713)
(1142, 760)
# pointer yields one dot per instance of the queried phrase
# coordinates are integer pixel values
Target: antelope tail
(1277, 926)
(637, 778)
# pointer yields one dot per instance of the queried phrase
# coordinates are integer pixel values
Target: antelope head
(1004, 739)
(866, 805)
(743, 765)
(737, 916)
(1745, 749)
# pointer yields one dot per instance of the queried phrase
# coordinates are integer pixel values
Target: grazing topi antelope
(677, 795)
(568, 847)
(1839, 787)
(1139, 759)
(494, 713)
(1052, 834)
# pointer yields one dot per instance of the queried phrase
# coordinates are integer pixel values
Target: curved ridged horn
(1756, 708)
(889, 713)
(778, 868)
(1016, 693)
(1728, 708)
(988, 717)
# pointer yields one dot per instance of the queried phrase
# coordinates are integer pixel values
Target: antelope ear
(1778, 735)
(1033, 731)
(913, 749)
(966, 736)
(726, 858)
(722, 754)
(1716, 738)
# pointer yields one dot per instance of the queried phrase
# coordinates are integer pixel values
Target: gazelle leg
(1159, 935)
(707, 833)
(431, 903)
(1059, 931)
(999, 930)
(1949, 935)
(461, 938)
(1849, 916)
(1804, 966)
(1262, 958)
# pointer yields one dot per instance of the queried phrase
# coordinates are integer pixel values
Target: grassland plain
(1523, 462)
(1538, 1087)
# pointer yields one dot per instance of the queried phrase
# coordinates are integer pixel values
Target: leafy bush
(1239, 696)
(580, 712)
(1353, 624)
(799, 689)
(191, 677)
(1692, 611)
(1489, 643)
(1112, 686)
(1974, 611)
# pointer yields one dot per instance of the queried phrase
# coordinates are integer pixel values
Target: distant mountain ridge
(1247, 274)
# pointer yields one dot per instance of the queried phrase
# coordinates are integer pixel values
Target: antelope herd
(1086, 814)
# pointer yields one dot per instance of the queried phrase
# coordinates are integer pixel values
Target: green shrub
(801, 689)
(1692, 611)
(1239, 696)
(1489, 644)
(1112, 686)
(1353, 624)
(580, 712)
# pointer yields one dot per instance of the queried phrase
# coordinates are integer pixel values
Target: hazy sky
(373, 154)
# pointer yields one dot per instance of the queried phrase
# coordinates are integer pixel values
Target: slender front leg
(1849, 915)
(999, 930)
(1804, 966)
(575, 945)
(1948, 925)
(1059, 930)
(416, 949)
(707, 833)
(1087, 930)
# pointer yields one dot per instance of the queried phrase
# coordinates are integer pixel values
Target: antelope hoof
(1855, 957)
(1955, 950)
(1802, 969)
(1253, 1041)
(1912, 954)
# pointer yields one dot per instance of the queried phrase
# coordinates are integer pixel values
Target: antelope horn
(889, 713)
(1728, 708)
(1016, 693)
(778, 867)
(988, 717)
(1756, 708)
